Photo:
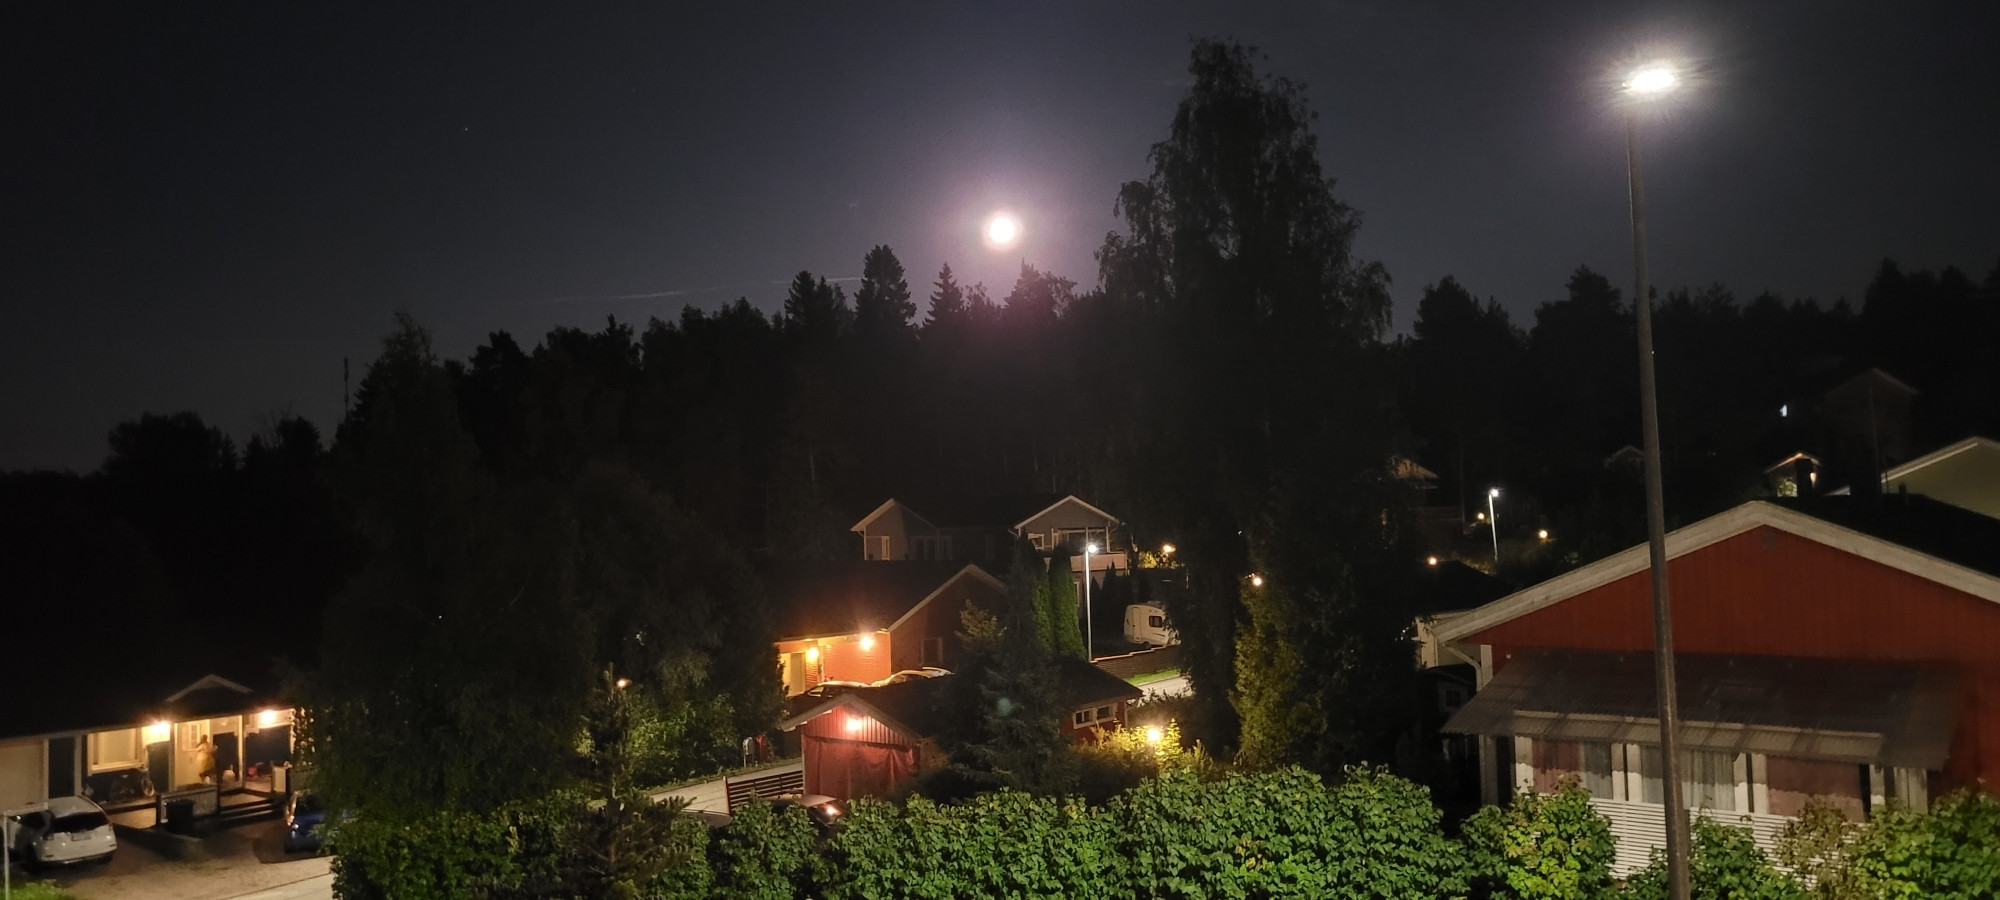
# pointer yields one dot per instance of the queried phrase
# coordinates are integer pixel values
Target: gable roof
(1080, 684)
(1008, 511)
(1917, 535)
(917, 709)
(818, 599)
(923, 708)
(123, 697)
(887, 505)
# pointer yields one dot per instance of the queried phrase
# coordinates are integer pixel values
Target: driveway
(245, 860)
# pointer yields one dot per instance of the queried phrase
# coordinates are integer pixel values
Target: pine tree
(1027, 611)
(947, 302)
(882, 305)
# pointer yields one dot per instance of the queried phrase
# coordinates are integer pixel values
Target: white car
(61, 832)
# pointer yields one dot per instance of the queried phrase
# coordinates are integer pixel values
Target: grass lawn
(40, 890)
(1150, 677)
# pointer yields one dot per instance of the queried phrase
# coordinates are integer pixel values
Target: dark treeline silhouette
(1228, 385)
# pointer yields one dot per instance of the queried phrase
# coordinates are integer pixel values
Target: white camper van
(1148, 625)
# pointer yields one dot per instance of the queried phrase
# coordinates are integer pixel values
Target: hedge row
(1269, 835)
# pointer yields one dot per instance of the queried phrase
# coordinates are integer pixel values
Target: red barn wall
(868, 761)
(1767, 592)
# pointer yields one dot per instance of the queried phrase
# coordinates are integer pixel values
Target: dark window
(1156, 621)
(83, 821)
(1082, 717)
(1103, 712)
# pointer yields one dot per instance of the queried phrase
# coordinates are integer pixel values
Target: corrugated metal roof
(1887, 714)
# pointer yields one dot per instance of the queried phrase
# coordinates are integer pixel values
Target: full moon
(1003, 230)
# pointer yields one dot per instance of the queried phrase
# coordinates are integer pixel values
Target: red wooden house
(850, 620)
(865, 742)
(1846, 648)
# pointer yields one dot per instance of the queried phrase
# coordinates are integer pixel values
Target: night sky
(207, 206)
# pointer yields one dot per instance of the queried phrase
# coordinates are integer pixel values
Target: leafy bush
(1544, 847)
(1003, 844)
(1818, 848)
(440, 856)
(764, 854)
(1725, 865)
(1284, 834)
(1953, 852)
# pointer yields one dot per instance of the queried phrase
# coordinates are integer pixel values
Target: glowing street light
(1256, 581)
(1493, 519)
(1647, 83)
(1542, 534)
(1166, 549)
(1650, 80)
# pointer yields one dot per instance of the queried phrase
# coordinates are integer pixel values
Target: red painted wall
(1770, 593)
(940, 619)
(868, 761)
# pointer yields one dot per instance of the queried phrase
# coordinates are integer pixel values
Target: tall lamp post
(1649, 82)
(1089, 625)
(1493, 521)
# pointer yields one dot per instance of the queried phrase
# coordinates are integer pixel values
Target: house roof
(997, 512)
(923, 707)
(1453, 586)
(1082, 684)
(121, 696)
(1848, 711)
(1917, 535)
(818, 599)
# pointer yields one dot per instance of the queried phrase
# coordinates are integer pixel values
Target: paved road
(1167, 687)
(315, 888)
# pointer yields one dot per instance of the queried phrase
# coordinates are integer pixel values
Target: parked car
(64, 831)
(304, 814)
(824, 811)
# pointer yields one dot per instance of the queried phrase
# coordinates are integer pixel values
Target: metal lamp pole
(1089, 623)
(1493, 522)
(1649, 82)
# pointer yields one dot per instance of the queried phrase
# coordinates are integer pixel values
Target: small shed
(865, 742)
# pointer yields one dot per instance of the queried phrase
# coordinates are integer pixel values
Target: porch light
(1256, 581)
(1166, 549)
(854, 723)
(867, 642)
(1543, 534)
(1430, 560)
(1154, 734)
(624, 683)
(267, 718)
(158, 731)
(812, 653)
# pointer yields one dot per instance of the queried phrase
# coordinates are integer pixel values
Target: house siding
(1767, 592)
(941, 618)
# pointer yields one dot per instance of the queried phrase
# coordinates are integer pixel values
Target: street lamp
(1089, 626)
(1648, 82)
(1493, 520)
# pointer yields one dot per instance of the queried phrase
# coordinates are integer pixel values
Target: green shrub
(1952, 852)
(1284, 834)
(1541, 847)
(1818, 847)
(1003, 844)
(440, 856)
(764, 855)
(1725, 865)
